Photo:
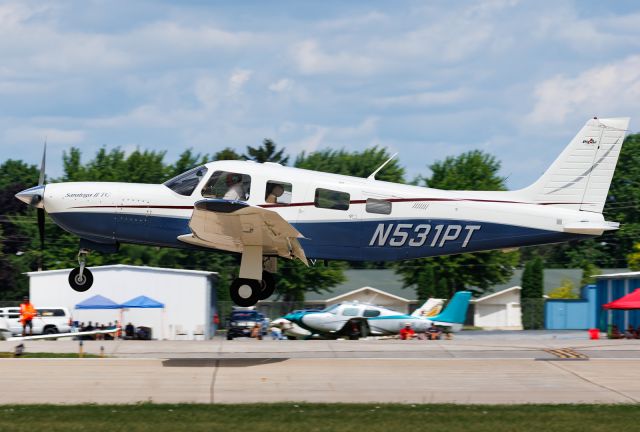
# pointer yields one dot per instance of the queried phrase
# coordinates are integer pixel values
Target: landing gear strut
(256, 281)
(81, 278)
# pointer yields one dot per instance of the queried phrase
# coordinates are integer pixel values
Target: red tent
(630, 301)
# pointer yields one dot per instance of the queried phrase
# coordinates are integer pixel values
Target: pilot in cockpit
(235, 191)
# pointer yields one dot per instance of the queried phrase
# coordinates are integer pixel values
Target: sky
(426, 79)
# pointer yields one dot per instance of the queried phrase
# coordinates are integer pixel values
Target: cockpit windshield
(185, 183)
(331, 309)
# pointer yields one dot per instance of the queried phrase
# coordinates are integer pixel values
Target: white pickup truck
(49, 320)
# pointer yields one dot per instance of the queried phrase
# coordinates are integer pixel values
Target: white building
(188, 296)
(499, 310)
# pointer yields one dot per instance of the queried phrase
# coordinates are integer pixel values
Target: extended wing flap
(232, 225)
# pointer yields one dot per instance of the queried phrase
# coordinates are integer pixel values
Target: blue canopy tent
(98, 302)
(144, 302)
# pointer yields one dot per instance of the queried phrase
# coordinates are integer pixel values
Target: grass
(319, 417)
(47, 355)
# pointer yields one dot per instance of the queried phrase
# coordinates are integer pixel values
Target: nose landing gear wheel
(268, 285)
(80, 283)
(245, 292)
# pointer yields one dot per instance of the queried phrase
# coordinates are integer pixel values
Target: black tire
(268, 285)
(229, 337)
(245, 292)
(50, 330)
(80, 285)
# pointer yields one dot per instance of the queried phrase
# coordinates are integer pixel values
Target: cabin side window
(186, 183)
(378, 206)
(350, 312)
(370, 313)
(330, 199)
(228, 186)
(278, 192)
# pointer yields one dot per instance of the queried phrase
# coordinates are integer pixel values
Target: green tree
(532, 302)
(14, 176)
(425, 283)
(564, 291)
(226, 154)
(295, 279)
(356, 164)
(267, 152)
(589, 273)
(473, 170)
(481, 270)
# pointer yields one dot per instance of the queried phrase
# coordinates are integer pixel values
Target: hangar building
(188, 296)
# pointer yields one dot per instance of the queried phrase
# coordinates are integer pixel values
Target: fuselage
(340, 217)
(381, 321)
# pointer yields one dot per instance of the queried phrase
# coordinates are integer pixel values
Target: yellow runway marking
(567, 353)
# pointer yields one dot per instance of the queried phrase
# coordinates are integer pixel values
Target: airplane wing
(61, 335)
(232, 225)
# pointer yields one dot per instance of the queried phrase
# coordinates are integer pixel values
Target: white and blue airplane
(364, 319)
(265, 211)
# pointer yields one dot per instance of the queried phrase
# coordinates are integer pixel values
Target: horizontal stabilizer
(590, 228)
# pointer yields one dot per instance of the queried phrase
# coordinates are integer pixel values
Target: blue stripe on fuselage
(371, 240)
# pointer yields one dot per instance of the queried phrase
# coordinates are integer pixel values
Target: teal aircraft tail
(456, 310)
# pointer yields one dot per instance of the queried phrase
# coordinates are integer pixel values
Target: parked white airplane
(266, 211)
(343, 319)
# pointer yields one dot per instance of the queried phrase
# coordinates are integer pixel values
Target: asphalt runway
(498, 369)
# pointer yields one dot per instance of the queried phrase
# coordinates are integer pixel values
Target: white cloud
(312, 60)
(282, 85)
(238, 79)
(35, 135)
(424, 99)
(207, 91)
(349, 22)
(612, 89)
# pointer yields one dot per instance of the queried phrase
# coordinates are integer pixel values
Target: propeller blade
(41, 226)
(42, 166)
(40, 212)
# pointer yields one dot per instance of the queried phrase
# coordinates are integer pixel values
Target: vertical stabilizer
(580, 177)
(430, 308)
(456, 310)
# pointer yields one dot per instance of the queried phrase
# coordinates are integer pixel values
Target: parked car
(49, 320)
(240, 323)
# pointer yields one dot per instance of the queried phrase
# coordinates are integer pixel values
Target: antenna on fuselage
(373, 174)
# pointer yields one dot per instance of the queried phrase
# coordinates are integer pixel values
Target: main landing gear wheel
(268, 285)
(78, 282)
(245, 292)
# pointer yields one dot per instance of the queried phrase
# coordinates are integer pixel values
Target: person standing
(27, 313)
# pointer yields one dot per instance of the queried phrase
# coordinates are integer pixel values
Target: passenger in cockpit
(235, 191)
(276, 192)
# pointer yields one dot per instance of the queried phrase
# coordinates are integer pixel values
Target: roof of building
(385, 280)
(388, 281)
(619, 275)
(496, 294)
(125, 267)
(376, 292)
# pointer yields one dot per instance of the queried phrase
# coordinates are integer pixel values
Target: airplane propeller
(35, 197)
(40, 209)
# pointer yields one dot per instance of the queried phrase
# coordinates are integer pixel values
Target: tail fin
(456, 310)
(430, 308)
(579, 178)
